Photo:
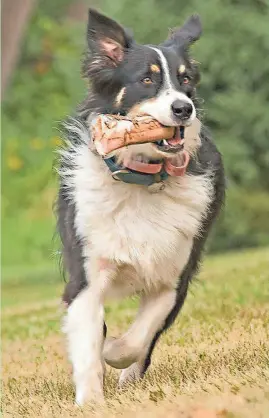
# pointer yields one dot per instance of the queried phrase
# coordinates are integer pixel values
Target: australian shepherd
(139, 234)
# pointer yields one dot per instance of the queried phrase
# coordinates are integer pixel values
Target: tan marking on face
(136, 109)
(182, 69)
(155, 68)
(120, 97)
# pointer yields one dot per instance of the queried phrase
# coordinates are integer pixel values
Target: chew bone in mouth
(174, 144)
(111, 132)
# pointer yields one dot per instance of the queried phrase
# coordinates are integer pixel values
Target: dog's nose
(181, 109)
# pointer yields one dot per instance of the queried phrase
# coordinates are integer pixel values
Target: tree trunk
(15, 16)
(78, 11)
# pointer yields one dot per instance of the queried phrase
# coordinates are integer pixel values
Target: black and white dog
(141, 233)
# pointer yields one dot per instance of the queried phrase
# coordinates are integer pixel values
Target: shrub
(47, 86)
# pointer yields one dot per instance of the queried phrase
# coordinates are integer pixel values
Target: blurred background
(42, 45)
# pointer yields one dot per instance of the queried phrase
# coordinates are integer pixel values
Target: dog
(141, 234)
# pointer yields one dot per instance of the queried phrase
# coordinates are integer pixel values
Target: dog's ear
(186, 34)
(107, 38)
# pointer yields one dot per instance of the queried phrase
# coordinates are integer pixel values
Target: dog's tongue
(177, 139)
(174, 141)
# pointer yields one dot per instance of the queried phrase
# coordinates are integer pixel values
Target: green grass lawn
(212, 363)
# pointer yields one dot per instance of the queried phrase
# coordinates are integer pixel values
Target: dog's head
(132, 79)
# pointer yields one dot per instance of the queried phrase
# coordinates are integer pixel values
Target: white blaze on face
(160, 108)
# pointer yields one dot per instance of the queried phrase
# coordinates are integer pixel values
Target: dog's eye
(186, 80)
(147, 80)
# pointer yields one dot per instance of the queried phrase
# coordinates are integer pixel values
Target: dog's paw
(89, 396)
(89, 385)
(132, 374)
(119, 353)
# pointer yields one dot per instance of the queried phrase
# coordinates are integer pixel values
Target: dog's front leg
(132, 347)
(84, 326)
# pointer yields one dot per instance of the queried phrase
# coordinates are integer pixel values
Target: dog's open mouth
(172, 145)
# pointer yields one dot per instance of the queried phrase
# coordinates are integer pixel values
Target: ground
(214, 361)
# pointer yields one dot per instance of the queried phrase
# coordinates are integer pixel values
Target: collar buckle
(114, 174)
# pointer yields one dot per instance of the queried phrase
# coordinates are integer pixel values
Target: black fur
(108, 75)
(72, 248)
(208, 159)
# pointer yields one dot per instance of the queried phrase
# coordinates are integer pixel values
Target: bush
(47, 86)
(243, 221)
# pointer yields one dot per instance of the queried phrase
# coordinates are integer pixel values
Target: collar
(146, 174)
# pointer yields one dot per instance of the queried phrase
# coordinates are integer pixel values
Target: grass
(212, 363)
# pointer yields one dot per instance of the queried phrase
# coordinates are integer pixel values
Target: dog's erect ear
(106, 37)
(186, 34)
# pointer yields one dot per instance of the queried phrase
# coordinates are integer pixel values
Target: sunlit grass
(214, 360)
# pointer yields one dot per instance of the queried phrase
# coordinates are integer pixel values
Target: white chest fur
(129, 225)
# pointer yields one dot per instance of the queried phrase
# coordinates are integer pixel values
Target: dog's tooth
(165, 142)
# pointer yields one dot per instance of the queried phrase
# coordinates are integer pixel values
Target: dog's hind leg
(134, 344)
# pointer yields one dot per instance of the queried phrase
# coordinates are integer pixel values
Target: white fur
(160, 108)
(129, 225)
(167, 85)
(147, 238)
(134, 344)
(131, 374)
(84, 329)
(83, 326)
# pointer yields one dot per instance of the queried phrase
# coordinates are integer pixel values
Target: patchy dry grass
(214, 362)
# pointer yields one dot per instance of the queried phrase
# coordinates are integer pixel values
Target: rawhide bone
(111, 132)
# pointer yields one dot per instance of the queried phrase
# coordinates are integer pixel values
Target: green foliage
(47, 86)
(243, 222)
(43, 91)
